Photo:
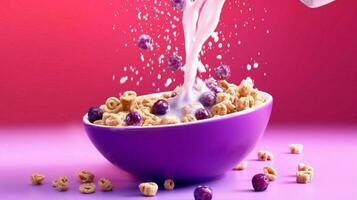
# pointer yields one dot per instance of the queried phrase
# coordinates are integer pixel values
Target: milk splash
(200, 19)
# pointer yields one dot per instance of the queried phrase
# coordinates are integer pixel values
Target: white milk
(200, 19)
(316, 3)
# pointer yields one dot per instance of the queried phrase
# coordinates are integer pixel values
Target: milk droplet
(256, 65)
(219, 57)
(123, 79)
(168, 82)
(249, 67)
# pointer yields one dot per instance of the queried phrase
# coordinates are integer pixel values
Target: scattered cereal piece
(87, 188)
(304, 167)
(304, 176)
(99, 122)
(241, 166)
(271, 173)
(169, 184)
(265, 155)
(61, 184)
(85, 176)
(244, 88)
(37, 179)
(296, 148)
(105, 184)
(148, 189)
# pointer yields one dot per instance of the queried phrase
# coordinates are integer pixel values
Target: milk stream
(200, 19)
(316, 3)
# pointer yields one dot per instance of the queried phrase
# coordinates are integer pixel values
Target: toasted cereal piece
(296, 148)
(304, 167)
(87, 188)
(189, 118)
(222, 96)
(85, 176)
(241, 166)
(244, 103)
(105, 184)
(61, 184)
(190, 108)
(244, 88)
(224, 84)
(271, 173)
(128, 100)
(112, 105)
(230, 106)
(169, 184)
(167, 95)
(257, 95)
(111, 119)
(265, 156)
(37, 179)
(219, 109)
(170, 120)
(148, 189)
(304, 176)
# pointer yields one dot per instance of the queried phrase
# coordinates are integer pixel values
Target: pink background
(57, 58)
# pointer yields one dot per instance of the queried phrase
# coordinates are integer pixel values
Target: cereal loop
(85, 176)
(87, 188)
(105, 184)
(148, 189)
(112, 105)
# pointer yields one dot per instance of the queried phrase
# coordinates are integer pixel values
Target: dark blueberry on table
(174, 63)
(222, 72)
(213, 86)
(203, 193)
(145, 42)
(207, 99)
(133, 119)
(202, 113)
(160, 107)
(94, 114)
(260, 182)
(178, 4)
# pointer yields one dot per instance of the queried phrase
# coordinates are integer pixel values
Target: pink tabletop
(62, 151)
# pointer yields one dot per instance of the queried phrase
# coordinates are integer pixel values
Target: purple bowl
(190, 151)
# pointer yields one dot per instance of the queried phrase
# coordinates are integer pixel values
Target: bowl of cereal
(130, 132)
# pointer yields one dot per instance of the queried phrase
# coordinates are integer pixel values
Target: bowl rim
(267, 96)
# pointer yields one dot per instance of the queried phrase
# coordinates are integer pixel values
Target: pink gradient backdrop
(57, 58)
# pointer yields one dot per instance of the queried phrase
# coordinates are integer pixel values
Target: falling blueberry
(160, 107)
(145, 42)
(203, 193)
(222, 72)
(260, 182)
(174, 63)
(213, 86)
(178, 4)
(202, 113)
(133, 119)
(207, 99)
(94, 114)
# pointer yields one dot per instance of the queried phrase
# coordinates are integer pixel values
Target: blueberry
(94, 114)
(222, 72)
(133, 119)
(160, 107)
(145, 42)
(207, 99)
(178, 4)
(202, 113)
(203, 193)
(213, 86)
(260, 182)
(174, 63)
